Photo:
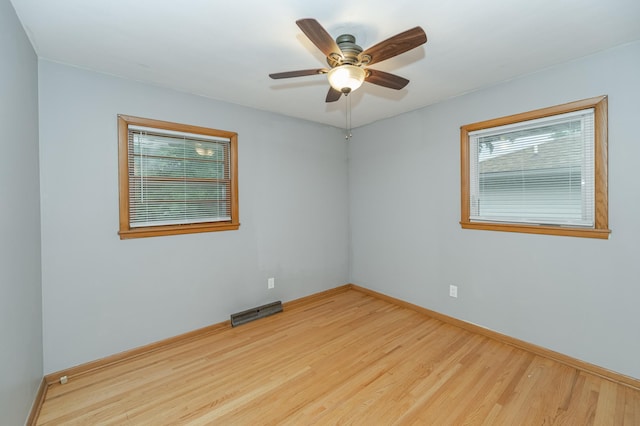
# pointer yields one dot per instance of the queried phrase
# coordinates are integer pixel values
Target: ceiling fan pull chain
(348, 118)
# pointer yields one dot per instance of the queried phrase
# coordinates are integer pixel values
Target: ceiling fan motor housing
(350, 52)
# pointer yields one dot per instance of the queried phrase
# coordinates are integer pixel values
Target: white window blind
(177, 178)
(536, 172)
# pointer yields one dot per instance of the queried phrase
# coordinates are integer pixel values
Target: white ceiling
(226, 49)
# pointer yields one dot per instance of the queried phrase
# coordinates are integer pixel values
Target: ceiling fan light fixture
(346, 78)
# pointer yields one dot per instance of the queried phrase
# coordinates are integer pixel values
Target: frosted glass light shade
(346, 78)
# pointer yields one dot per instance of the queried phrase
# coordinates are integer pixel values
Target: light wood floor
(347, 359)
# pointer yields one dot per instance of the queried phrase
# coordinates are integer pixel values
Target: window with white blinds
(178, 178)
(538, 171)
(541, 172)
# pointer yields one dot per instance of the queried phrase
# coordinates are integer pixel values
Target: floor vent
(256, 313)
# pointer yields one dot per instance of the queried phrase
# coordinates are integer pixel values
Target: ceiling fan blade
(320, 37)
(333, 95)
(395, 45)
(385, 79)
(299, 73)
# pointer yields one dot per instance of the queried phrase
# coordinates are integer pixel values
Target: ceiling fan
(349, 63)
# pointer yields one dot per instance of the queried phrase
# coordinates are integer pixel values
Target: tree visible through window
(541, 172)
(175, 178)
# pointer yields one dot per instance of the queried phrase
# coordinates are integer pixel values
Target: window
(176, 178)
(542, 172)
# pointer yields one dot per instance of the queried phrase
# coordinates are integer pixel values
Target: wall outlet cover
(453, 290)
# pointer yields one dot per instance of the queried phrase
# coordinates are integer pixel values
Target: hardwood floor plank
(344, 358)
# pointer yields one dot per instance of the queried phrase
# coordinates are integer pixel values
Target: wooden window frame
(126, 231)
(601, 208)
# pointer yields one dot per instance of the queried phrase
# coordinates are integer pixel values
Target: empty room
(357, 212)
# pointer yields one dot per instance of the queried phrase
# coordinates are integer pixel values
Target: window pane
(177, 180)
(538, 172)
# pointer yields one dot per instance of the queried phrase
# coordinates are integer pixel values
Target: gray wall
(20, 285)
(576, 296)
(103, 295)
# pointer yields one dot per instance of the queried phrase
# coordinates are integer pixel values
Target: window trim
(601, 226)
(126, 231)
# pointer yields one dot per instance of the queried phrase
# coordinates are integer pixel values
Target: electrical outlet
(453, 290)
(271, 283)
